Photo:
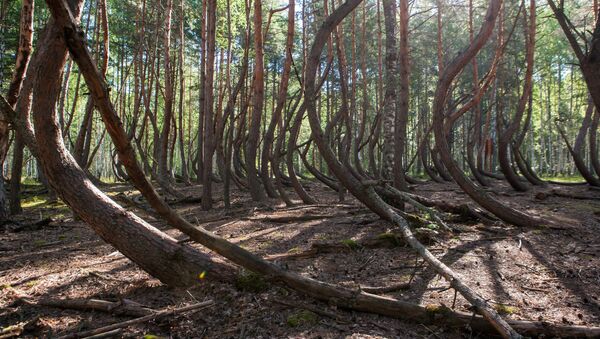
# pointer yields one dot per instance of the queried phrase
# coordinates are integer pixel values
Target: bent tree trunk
(342, 297)
(442, 93)
(366, 194)
(506, 138)
(155, 252)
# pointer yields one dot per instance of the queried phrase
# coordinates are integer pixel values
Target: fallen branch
(383, 240)
(149, 317)
(292, 218)
(123, 307)
(386, 289)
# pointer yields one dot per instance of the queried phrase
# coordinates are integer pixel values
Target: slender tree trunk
(441, 95)
(209, 148)
(267, 149)
(14, 92)
(258, 87)
(402, 102)
(389, 111)
(506, 138)
(163, 170)
(182, 148)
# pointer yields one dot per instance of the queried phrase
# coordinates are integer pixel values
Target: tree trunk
(154, 251)
(209, 128)
(450, 72)
(389, 110)
(14, 92)
(402, 104)
(163, 170)
(267, 149)
(258, 88)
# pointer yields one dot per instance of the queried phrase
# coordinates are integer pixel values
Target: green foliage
(302, 318)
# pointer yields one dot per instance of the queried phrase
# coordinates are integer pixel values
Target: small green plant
(352, 244)
(39, 243)
(31, 283)
(505, 309)
(33, 201)
(301, 318)
(251, 282)
(390, 237)
(436, 309)
(432, 226)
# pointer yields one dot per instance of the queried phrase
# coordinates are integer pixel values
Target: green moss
(39, 243)
(505, 309)
(390, 237)
(31, 283)
(301, 318)
(437, 309)
(33, 201)
(565, 178)
(294, 250)
(352, 244)
(431, 226)
(251, 282)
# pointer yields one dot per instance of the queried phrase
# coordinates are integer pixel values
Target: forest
(299, 169)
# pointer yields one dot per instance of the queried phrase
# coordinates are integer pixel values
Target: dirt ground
(530, 274)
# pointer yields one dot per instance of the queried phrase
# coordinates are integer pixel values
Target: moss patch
(302, 318)
(505, 309)
(390, 237)
(251, 282)
(351, 244)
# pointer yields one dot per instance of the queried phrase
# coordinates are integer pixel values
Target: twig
(124, 324)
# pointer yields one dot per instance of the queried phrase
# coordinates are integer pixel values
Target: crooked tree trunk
(154, 251)
(267, 149)
(577, 148)
(442, 93)
(506, 138)
(366, 194)
(342, 297)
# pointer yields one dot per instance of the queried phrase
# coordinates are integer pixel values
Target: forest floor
(531, 274)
